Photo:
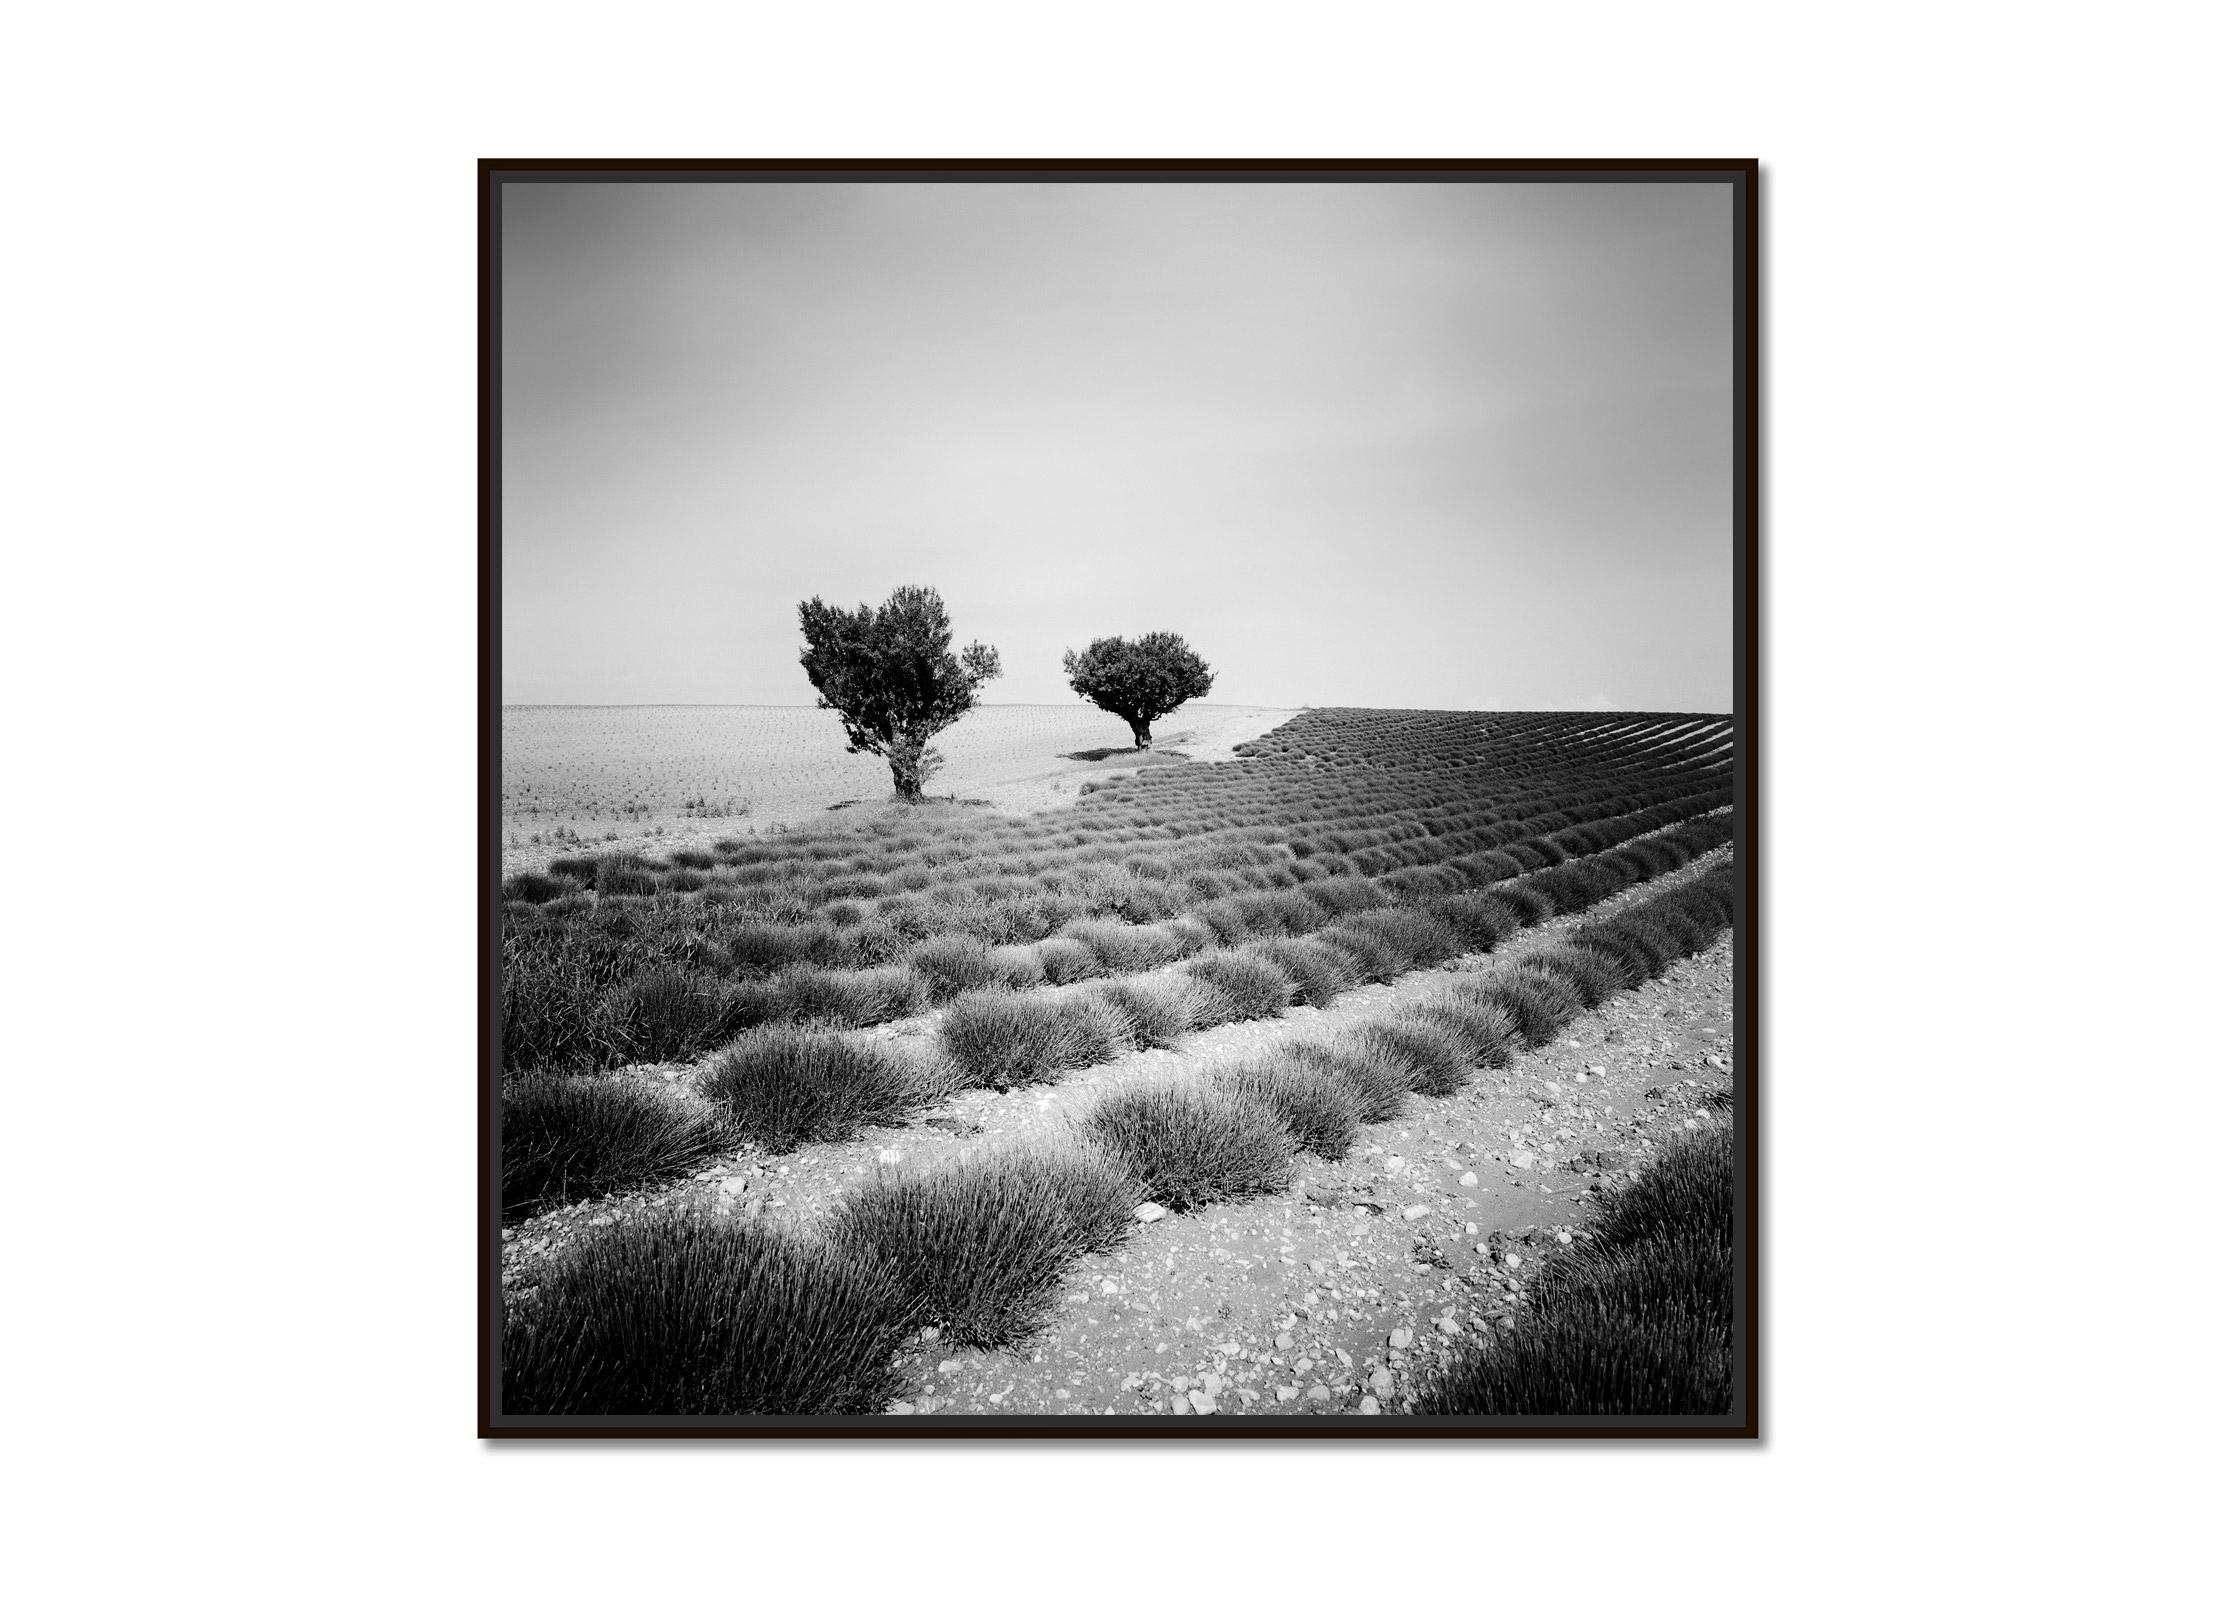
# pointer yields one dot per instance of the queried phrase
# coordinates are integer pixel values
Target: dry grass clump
(1685, 921)
(1487, 1034)
(1539, 1003)
(1318, 972)
(1689, 1188)
(1717, 887)
(1537, 853)
(1229, 924)
(1149, 1017)
(677, 1314)
(1016, 968)
(1434, 1056)
(1321, 1107)
(1649, 927)
(1478, 922)
(1529, 905)
(874, 942)
(995, 1040)
(1625, 942)
(1580, 884)
(1426, 882)
(1255, 987)
(666, 1014)
(1623, 869)
(1066, 961)
(1593, 975)
(1634, 960)
(1192, 1143)
(1417, 937)
(1637, 1322)
(1191, 933)
(849, 999)
(1363, 952)
(1698, 907)
(625, 875)
(790, 1086)
(766, 947)
(1198, 1003)
(566, 1138)
(1378, 1079)
(1487, 867)
(559, 997)
(981, 1247)
(1124, 946)
(1281, 913)
(1341, 896)
(949, 966)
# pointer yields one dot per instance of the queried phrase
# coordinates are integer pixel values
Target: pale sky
(1441, 445)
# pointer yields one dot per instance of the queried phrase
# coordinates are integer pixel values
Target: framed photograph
(1119, 799)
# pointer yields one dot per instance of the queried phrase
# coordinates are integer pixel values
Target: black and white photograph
(1119, 800)
(1329, 801)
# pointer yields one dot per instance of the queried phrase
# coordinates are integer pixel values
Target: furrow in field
(802, 1188)
(690, 983)
(1341, 1294)
(787, 1088)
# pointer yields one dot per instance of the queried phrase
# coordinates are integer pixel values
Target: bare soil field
(635, 776)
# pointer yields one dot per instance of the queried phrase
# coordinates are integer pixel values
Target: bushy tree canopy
(1138, 679)
(892, 677)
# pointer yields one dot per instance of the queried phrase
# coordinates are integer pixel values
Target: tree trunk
(1141, 727)
(909, 782)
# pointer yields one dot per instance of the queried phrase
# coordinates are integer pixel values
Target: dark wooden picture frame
(1748, 1063)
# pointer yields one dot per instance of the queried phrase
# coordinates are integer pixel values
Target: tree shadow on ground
(927, 800)
(1121, 750)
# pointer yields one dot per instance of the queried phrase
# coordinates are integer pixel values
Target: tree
(1137, 680)
(891, 676)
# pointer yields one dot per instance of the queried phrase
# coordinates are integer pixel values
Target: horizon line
(1067, 705)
